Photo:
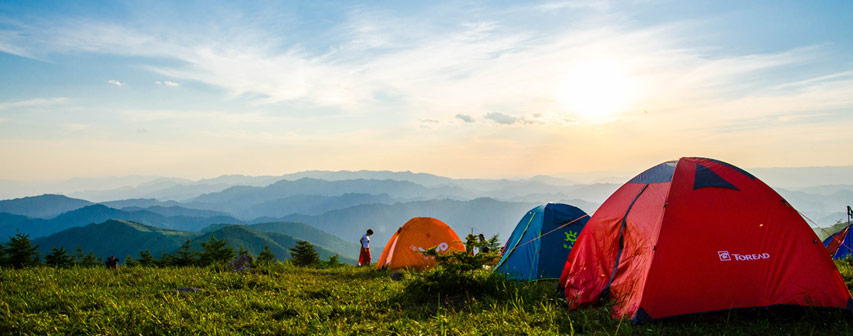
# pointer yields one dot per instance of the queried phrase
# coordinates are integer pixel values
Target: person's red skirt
(364, 257)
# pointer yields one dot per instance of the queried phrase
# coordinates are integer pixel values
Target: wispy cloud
(434, 72)
(575, 4)
(501, 118)
(37, 102)
(167, 83)
(464, 117)
(390, 73)
(115, 82)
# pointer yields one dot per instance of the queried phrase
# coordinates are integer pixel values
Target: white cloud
(575, 4)
(501, 118)
(115, 82)
(37, 102)
(167, 83)
(441, 71)
(464, 117)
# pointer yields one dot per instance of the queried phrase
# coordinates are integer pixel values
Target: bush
(303, 254)
(459, 273)
(20, 252)
(333, 262)
(266, 256)
(58, 257)
(215, 252)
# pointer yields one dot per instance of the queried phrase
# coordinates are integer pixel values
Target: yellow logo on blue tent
(571, 237)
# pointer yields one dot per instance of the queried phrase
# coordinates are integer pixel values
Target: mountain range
(346, 203)
(177, 219)
(44, 206)
(122, 238)
(482, 215)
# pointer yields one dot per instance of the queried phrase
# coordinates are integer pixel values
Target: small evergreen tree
(185, 256)
(215, 252)
(303, 254)
(266, 256)
(58, 257)
(129, 262)
(90, 260)
(243, 251)
(2, 255)
(78, 256)
(20, 252)
(145, 258)
(491, 245)
(334, 261)
(165, 260)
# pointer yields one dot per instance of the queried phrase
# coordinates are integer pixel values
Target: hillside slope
(482, 215)
(121, 238)
(43, 206)
(98, 213)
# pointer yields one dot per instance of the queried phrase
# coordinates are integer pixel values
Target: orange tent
(418, 234)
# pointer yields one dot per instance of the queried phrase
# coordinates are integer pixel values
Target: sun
(596, 90)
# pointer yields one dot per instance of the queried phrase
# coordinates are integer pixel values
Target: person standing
(364, 256)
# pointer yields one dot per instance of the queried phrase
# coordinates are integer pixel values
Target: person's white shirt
(365, 241)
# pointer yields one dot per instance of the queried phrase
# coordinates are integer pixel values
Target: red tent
(699, 235)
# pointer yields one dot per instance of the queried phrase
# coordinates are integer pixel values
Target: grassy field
(345, 300)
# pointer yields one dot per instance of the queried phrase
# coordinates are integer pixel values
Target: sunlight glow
(596, 90)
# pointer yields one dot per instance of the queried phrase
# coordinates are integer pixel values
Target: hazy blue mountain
(824, 232)
(311, 234)
(98, 213)
(309, 186)
(596, 192)
(827, 190)
(309, 204)
(552, 180)
(586, 206)
(43, 206)
(800, 177)
(243, 197)
(300, 231)
(501, 187)
(11, 223)
(817, 207)
(176, 189)
(483, 215)
(254, 241)
(122, 238)
(115, 238)
(424, 179)
(244, 180)
(173, 211)
(139, 202)
(832, 219)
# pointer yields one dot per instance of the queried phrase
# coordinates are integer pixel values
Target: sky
(481, 89)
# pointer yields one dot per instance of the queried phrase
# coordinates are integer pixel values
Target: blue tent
(839, 243)
(528, 255)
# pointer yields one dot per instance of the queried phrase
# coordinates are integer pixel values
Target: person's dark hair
(369, 232)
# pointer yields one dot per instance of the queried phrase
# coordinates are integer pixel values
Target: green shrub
(460, 273)
(303, 254)
(20, 252)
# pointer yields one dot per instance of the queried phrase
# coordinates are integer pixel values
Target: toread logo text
(726, 256)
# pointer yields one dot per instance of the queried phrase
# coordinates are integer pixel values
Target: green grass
(346, 300)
